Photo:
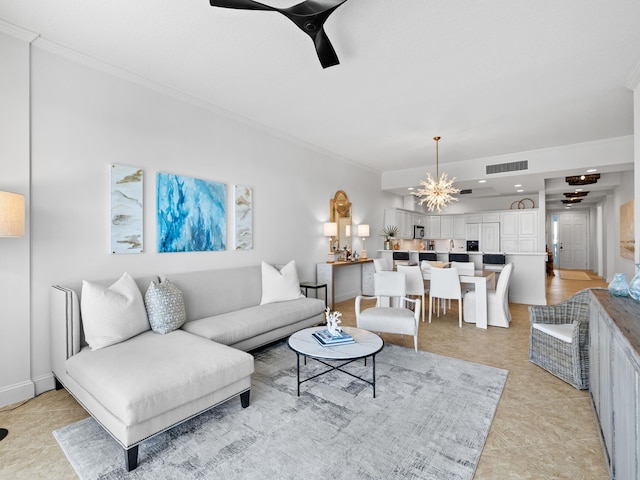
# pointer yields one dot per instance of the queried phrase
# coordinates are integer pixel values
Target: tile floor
(543, 428)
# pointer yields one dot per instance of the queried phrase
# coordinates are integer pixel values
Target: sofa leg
(59, 386)
(131, 458)
(244, 398)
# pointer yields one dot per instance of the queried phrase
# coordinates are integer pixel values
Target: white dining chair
(400, 320)
(498, 314)
(445, 285)
(415, 283)
(464, 268)
(382, 264)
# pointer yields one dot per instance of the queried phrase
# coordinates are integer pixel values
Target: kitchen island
(528, 280)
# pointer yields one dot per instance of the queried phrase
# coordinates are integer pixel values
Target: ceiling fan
(309, 16)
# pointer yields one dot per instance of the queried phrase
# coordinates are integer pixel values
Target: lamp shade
(363, 230)
(330, 229)
(11, 214)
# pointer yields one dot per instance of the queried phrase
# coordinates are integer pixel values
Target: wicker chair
(560, 339)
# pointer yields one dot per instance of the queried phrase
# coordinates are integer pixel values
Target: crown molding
(18, 32)
(101, 65)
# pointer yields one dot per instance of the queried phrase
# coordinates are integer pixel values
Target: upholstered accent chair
(396, 319)
(559, 340)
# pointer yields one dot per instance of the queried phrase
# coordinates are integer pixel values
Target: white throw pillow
(165, 307)
(280, 286)
(112, 314)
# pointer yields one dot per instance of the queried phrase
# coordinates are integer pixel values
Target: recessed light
(520, 190)
(578, 189)
(482, 181)
(567, 207)
(410, 188)
(517, 186)
(591, 170)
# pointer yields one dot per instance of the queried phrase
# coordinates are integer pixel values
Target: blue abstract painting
(191, 214)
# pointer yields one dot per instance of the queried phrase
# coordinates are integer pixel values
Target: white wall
(15, 378)
(82, 120)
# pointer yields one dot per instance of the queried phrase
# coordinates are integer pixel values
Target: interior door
(572, 240)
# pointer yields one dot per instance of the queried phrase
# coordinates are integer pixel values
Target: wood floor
(543, 428)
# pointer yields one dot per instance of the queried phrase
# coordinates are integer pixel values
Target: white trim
(18, 32)
(18, 392)
(44, 383)
(119, 72)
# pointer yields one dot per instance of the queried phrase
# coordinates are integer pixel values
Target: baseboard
(16, 393)
(44, 383)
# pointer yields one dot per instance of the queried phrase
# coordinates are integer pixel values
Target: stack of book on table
(324, 338)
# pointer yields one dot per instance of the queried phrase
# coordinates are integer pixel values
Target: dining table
(480, 280)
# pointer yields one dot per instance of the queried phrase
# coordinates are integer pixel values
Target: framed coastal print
(126, 209)
(191, 214)
(627, 240)
(242, 217)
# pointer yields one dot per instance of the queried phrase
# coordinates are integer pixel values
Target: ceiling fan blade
(309, 16)
(240, 4)
(313, 7)
(326, 53)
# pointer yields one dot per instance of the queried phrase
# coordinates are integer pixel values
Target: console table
(358, 277)
(614, 379)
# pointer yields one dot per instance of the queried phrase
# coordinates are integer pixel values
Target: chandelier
(437, 192)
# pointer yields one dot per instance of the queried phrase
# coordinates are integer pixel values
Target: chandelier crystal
(436, 192)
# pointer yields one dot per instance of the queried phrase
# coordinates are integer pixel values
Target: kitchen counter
(528, 280)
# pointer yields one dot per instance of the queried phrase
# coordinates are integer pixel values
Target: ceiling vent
(466, 191)
(507, 167)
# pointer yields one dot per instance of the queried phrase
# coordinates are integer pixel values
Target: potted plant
(389, 233)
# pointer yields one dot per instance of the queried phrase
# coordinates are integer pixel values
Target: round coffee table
(367, 344)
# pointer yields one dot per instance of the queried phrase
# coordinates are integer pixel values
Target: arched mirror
(341, 214)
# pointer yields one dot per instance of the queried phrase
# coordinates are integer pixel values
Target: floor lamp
(11, 225)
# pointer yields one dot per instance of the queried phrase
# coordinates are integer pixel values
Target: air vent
(466, 192)
(507, 167)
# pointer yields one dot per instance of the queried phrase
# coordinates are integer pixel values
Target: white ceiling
(491, 78)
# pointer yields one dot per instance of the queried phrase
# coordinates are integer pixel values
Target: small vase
(634, 286)
(619, 287)
(387, 244)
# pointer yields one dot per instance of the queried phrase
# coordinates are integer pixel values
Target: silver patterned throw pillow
(165, 307)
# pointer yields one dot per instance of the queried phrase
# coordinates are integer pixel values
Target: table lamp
(363, 231)
(331, 230)
(11, 225)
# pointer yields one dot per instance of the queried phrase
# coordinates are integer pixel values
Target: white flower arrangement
(333, 319)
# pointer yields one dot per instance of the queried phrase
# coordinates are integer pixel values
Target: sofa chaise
(146, 384)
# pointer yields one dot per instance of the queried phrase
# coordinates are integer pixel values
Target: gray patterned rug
(429, 420)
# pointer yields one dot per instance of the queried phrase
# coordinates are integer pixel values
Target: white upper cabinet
(519, 231)
(434, 227)
(458, 227)
(446, 226)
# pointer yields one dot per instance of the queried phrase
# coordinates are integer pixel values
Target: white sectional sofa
(149, 383)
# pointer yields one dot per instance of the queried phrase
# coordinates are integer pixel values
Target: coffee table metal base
(338, 368)
(367, 344)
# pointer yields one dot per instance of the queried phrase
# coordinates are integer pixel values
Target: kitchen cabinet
(403, 219)
(434, 231)
(490, 237)
(472, 231)
(452, 226)
(446, 226)
(458, 227)
(519, 231)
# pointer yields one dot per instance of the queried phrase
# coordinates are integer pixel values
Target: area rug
(429, 420)
(573, 275)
